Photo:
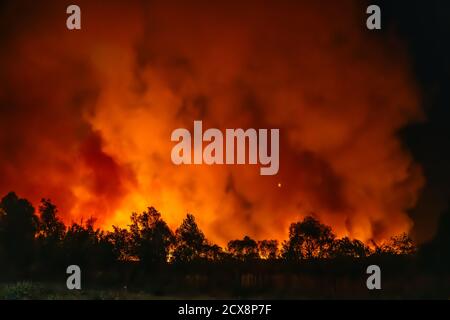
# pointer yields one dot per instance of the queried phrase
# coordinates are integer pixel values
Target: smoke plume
(86, 116)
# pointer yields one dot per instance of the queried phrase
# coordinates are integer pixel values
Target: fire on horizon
(87, 115)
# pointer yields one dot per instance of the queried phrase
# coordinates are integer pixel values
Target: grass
(40, 291)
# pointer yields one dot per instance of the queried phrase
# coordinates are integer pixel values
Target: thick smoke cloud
(86, 116)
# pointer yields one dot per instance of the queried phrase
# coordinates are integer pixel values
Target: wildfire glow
(86, 116)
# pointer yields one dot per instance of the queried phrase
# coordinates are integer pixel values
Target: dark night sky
(425, 26)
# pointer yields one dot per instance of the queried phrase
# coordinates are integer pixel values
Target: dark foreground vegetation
(149, 260)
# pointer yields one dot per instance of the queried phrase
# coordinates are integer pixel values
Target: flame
(87, 115)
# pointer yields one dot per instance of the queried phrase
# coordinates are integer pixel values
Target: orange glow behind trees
(86, 116)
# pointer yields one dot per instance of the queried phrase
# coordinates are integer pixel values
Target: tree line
(29, 238)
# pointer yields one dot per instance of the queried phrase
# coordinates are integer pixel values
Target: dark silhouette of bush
(51, 228)
(346, 247)
(399, 245)
(151, 238)
(214, 252)
(121, 243)
(191, 243)
(87, 247)
(18, 226)
(268, 249)
(244, 250)
(308, 239)
(50, 235)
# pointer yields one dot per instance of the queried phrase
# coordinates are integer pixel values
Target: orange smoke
(86, 116)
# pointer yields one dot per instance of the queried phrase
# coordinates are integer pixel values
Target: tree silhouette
(268, 249)
(18, 225)
(121, 242)
(308, 239)
(151, 237)
(149, 247)
(191, 243)
(213, 252)
(402, 245)
(51, 234)
(50, 227)
(346, 247)
(79, 243)
(245, 249)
